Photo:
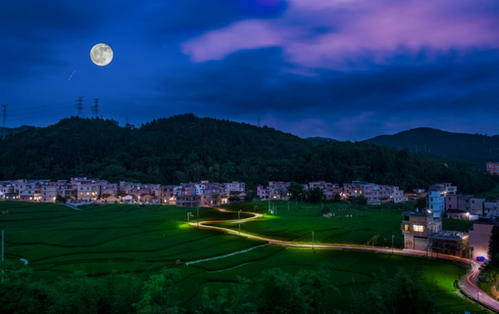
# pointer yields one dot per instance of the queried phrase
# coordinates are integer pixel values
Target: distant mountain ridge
(12, 131)
(186, 148)
(475, 149)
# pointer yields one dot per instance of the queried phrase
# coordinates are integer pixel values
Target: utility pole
(79, 106)
(4, 121)
(393, 236)
(3, 254)
(95, 108)
(313, 240)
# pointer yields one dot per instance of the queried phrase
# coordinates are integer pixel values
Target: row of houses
(422, 230)
(443, 199)
(374, 193)
(96, 190)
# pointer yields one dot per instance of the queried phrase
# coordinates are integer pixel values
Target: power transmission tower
(95, 108)
(79, 106)
(4, 121)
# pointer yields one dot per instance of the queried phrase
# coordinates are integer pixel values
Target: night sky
(346, 69)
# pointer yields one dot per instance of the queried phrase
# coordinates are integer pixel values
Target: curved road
(467, 283)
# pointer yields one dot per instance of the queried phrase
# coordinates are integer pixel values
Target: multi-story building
(445, 188)
(476, 205)
(423, 231)
(450, 242)
(491, 208)
(108, 189)
(436, 203)
(456, 204)
(493, 168)
(213, 193)
(166, 194)
(374, 193)
(397, 195)
(49, 192)
(417, 226)
(235, 187)
(277, 190)
(6, 188)
(329, 190)
(30, 191)
(188, 195)
(86, 189)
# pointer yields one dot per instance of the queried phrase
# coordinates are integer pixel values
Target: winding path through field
(467, 283)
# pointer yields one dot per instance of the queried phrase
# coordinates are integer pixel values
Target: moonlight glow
(101, 54)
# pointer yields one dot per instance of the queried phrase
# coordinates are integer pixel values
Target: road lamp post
(393, 236)
(313, 240)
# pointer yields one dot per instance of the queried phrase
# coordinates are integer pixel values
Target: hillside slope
(474, 149)
(187, 148)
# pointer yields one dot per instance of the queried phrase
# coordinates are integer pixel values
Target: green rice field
(100, 239)
(348, 223)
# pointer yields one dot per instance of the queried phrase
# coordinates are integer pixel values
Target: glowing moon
(101, 54)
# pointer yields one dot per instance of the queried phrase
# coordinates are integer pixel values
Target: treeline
(473, 149)
(274, 291)
(186, 148)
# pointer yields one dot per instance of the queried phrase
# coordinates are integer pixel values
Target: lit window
(417, 228)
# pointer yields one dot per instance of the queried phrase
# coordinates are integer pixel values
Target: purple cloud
(352, 31)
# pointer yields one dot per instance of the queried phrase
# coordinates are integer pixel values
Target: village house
(491, 208)
(235, 187)
(423, 231)
(49, 192)
(329, 190)
(416, 194)
(188, 195)
(30, 190)
(476, 206)
(493, 168)
(417, 227)
(458, 206)
(277, 190)
(451, 243)
(375, 194)
(87, 190)
(166, 194)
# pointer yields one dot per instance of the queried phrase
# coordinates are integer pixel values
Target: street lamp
(393, 236)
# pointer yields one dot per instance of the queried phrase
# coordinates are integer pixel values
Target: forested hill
(187, 148)
(474, 149)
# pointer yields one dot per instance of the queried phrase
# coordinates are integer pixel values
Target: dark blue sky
(346, 69)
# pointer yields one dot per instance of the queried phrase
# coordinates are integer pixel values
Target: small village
(422, 228)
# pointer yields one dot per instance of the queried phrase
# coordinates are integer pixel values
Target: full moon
(101, 54)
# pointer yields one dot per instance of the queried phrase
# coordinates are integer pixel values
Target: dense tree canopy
(186, 148)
